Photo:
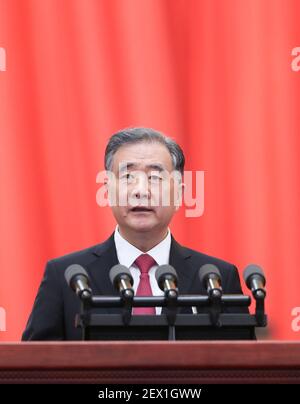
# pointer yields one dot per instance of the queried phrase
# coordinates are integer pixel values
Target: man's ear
(106, 184)
(109, 180)
(102, 195)
(180, 192)
(109, 184)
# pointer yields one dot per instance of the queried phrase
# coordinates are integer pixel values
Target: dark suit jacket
(56, 305)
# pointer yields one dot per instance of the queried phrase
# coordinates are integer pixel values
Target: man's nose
(141, 189)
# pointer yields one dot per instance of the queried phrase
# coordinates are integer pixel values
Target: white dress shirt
(128, 253)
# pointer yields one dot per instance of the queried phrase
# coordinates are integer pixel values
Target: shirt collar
(127, 253)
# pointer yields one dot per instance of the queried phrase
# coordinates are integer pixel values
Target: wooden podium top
(117, 354)
(123, 361)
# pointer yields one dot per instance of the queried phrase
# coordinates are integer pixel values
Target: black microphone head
(206, 270)
(251, 270)
(117, 271)
(165, 272)
(74, 270)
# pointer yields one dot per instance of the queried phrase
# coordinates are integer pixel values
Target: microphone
(122, 280)
(166, 278)
(255, 281)
(78, 280)
(210, 278)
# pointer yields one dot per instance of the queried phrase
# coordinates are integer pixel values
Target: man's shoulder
(203, 258)
(82, 256)
(228, 271)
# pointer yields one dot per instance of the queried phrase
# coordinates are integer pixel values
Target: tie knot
(145, 262)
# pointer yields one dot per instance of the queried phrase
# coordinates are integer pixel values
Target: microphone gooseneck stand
(171, 324)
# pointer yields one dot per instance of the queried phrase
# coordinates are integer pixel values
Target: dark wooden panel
(157, 362)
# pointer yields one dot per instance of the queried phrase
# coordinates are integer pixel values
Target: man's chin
(141, 224)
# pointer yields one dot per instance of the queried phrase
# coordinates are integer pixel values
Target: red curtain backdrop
(214, 74)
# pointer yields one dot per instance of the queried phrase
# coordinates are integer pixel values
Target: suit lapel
(99, 269)
(179, 259)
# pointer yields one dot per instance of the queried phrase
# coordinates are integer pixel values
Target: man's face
(142, 182)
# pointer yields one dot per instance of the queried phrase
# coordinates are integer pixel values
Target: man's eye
(127, 176)
(155, 177)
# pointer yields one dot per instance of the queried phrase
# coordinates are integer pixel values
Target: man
(141, 162)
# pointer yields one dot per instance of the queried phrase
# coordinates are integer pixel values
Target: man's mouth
(141, 209)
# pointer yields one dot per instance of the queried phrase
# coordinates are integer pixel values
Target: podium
(161, 362)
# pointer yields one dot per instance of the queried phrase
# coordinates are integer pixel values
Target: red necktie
(144, 262)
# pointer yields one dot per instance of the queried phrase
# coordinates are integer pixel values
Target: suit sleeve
(46, 321)
(233, 286)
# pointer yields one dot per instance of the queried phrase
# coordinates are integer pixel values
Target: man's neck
(143, 241)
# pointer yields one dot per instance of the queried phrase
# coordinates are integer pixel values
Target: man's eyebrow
(130, 165)
(156, 166)
(126, 165)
